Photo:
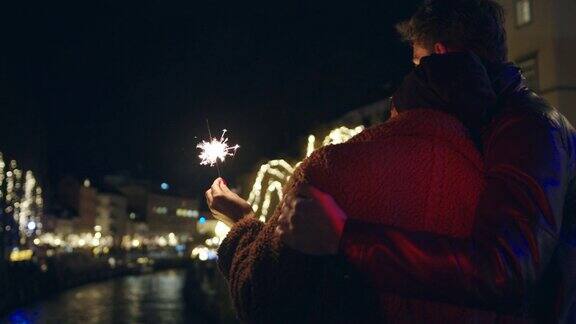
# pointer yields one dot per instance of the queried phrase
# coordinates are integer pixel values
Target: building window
(182, 212)
(523, 12)
(529, 67)
(160, 210)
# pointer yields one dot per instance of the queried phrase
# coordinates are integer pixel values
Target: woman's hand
(225, 205)
(311, 221)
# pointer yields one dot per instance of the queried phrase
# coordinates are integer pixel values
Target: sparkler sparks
(216, 149)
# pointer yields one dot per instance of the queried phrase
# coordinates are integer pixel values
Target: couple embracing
(459, 209)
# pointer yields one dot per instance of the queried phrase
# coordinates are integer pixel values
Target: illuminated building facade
(112, 214)
(79, 203)
(21, 207)
(542, 41)
(87, 206)
(156, 216)
(125, 213)
(171, 214)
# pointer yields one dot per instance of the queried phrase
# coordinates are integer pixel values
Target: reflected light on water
(151, 298)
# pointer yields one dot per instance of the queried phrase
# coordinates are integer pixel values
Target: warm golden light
(21, 255)
(274, 174)
(22, 199)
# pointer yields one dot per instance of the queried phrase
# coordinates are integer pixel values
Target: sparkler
(215, 150)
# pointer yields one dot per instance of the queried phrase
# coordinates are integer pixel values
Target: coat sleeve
(264, 277)
(517, 228)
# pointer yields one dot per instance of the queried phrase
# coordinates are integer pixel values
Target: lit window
(186, 212)
(523, 12)
(529, 67)
(160, 210)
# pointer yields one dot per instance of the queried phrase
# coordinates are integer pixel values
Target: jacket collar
(455, 83)
(506, 79)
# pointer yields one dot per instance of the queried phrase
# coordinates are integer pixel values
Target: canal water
(149, 298)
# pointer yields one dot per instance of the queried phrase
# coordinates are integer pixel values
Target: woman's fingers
(291, 218)
(224, 187)
(209, 197)
(216, 190)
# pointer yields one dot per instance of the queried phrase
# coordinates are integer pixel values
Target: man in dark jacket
(430, 174)
(521, 257)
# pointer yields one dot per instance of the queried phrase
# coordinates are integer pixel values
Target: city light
(21, 255)
(204, 253)
(21, 197)
(341, 135)
(161, 241)
(31, 226)
(221, 230)
(273, 175)
(172, 241)
(182, 212)
(278, 169)
(160, 210)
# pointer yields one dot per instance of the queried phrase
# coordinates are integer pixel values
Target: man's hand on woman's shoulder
(311, 221)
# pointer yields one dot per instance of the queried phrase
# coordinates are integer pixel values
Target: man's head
(441, 26)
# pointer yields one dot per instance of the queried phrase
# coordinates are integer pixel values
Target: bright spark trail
(215, 150)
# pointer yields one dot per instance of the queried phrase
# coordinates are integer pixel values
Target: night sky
(125, 86)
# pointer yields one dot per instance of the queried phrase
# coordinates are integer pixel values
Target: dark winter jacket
(521, 256)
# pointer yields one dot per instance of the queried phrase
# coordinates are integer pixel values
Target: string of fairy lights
(273, 175)
(21, 200)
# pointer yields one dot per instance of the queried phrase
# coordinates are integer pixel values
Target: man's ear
(440, 48)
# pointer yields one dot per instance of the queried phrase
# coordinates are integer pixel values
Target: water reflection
(151, 298)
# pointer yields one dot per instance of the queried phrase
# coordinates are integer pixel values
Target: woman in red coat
(420, 164)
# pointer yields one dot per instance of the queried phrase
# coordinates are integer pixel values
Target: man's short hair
(475, 25)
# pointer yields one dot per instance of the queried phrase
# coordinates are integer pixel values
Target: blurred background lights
(221, 230)
(31, 226)
(272, 175)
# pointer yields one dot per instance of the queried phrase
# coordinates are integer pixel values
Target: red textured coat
(419, 168)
